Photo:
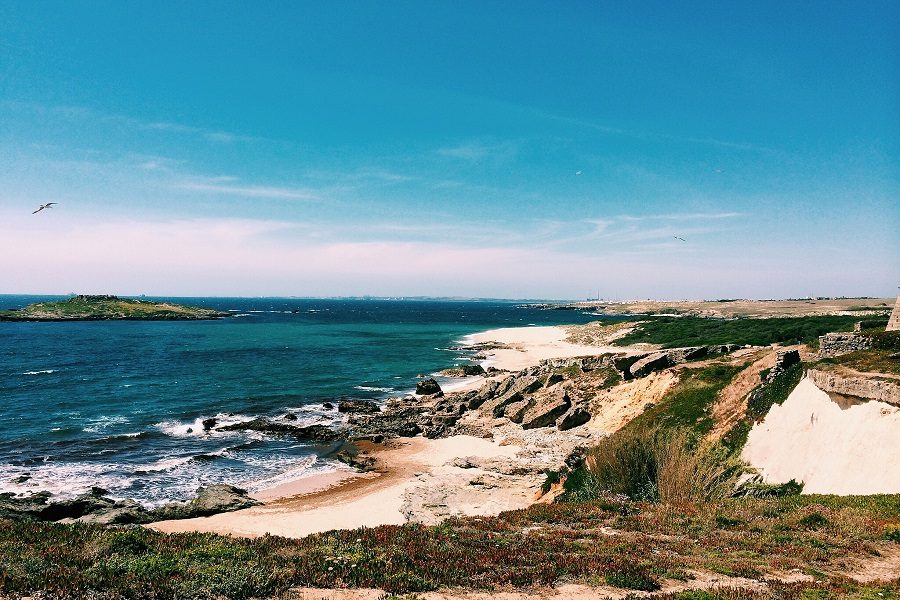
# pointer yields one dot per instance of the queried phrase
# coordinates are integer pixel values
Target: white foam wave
(103, 423)
(65, 480)
(164, 464)
(370, 388)
(44, 372)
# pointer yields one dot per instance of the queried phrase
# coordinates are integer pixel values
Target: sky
(479, 149)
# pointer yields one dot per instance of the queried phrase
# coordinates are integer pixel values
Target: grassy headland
(631, 545)
(93, 308)
(673, 332)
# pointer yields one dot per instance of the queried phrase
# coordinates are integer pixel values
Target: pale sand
(364, 500)
(530, 345)
(834, 446)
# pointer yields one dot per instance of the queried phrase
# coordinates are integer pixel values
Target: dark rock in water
(190, 430)
(463, 371)
(427, 387)
(290, 417)
(22, 478)
(575, 417)
(211, 499)
(401, 417)
(358, 406)
(316, 433)
(209, 423)
(327, 405)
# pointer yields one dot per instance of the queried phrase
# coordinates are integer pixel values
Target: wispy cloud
(85, 113)
(232, 186)
(701, 216)
(477, 150)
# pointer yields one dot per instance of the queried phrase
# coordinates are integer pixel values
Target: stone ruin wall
(894, 322)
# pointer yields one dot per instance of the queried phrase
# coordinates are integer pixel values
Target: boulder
(654, 362)
(515, 412)
(209, 423)
(575, 417)
(463, 371)
(427, 387)
(358, 406)
(546, 410)
(315, 433)
(623, 363)
(680, 355)
(211, 499)
(553, 378)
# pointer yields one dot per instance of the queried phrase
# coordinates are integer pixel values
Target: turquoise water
(118, 404)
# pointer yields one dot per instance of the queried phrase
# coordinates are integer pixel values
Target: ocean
(119, 404)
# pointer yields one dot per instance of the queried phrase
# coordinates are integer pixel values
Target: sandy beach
(352, 500)
(527, 346)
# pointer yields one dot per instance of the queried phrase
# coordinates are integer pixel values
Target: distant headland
(84, 307)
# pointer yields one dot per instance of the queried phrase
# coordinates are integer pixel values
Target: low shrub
(655, 464)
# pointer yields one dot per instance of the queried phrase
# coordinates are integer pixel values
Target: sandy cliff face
(833, 444)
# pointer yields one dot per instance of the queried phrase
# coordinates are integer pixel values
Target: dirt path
(731, 404)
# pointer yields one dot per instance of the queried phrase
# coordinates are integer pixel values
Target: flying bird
(679, 238)
(43, 206)
(719, 170)
(578, 172)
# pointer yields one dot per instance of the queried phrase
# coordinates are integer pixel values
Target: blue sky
(520, 149)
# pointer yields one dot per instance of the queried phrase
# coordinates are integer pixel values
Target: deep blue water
(118, 404)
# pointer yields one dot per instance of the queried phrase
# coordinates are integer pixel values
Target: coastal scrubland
(813, 542)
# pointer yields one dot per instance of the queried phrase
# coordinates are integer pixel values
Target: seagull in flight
(679, 238)
(578, 172)
(43, 206)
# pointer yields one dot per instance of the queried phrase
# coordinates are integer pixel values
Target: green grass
(867, 361)
(690, 402)
(538, 546)
(673, 332)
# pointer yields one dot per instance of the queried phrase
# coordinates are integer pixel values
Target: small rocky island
(105, 307)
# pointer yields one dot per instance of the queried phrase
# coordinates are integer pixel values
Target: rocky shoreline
(543, 409)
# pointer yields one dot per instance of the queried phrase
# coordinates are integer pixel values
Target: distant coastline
(107, 308)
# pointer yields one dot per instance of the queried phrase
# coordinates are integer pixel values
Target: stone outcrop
(427, 387)
(783, 360)
(463, 371)
(96, 507)
(311, 433)
(640, 365)
(894, 320)
(860, 387)
(547, 409)
(834, 344)
(358, 406)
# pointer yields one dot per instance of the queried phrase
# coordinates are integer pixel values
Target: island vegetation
(105, 307)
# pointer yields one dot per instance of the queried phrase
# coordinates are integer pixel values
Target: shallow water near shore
(120, 404)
